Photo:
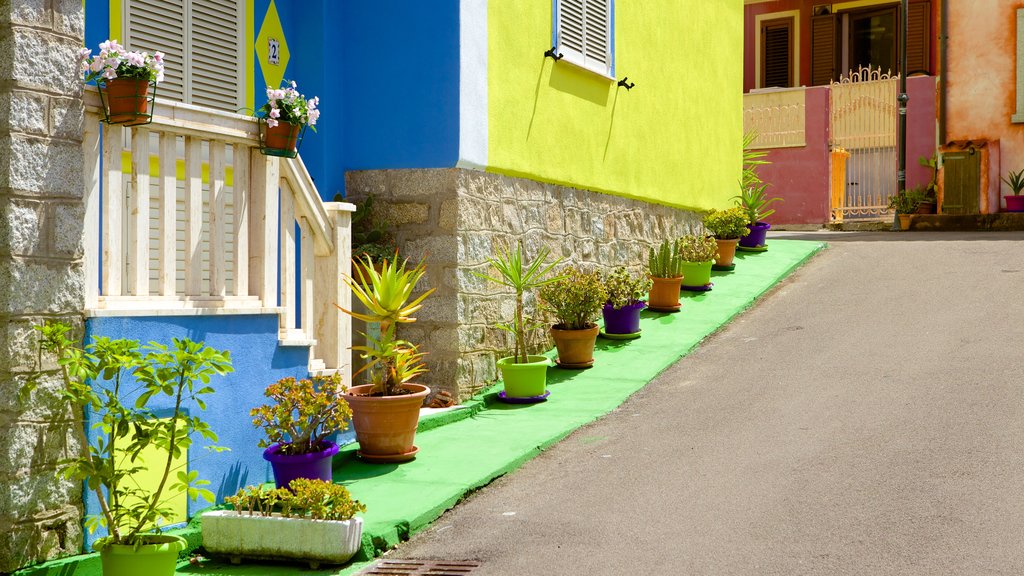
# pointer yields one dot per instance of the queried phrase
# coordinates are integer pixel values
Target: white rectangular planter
(238, 536)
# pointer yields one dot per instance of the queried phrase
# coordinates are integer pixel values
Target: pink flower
(271, 122)
(110, 74)
(96, 65)
(275, 113)
(158, 57)
(84, 53)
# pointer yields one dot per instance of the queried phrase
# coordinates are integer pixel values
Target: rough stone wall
(457, 218)
(41, 219)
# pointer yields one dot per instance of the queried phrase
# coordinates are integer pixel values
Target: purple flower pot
(1015, 203)
(756, 236)
(625, 320)
(287, 467)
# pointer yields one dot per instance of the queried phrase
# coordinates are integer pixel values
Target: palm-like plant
(751, 160)
(386, 296)
(520, 276)
(753, 201)
(1015, 180)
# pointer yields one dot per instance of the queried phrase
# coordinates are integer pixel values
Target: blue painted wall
(257, 360)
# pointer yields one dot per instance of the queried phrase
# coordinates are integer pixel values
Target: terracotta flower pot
(904, 221)
(575, 347)
(386, 425)
(726, 250)
(664, 293)
(284, 136)
(127, 101)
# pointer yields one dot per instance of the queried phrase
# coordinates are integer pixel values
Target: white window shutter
(202, 40)
(159, 25)
(585, 34)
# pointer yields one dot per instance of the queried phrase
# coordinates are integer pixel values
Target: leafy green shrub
(303, 413)
(665, 261)
(906, 201)
(623, 289)
(575, 299)
(99, 376)
(697, 248)
(304, 498)
(727, 224)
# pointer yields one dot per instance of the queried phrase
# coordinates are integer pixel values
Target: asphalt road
(865, 418)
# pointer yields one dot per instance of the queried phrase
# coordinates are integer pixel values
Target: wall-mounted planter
(241, 536)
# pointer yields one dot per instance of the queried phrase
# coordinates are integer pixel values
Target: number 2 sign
(273, 51)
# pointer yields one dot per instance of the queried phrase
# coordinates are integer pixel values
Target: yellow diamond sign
(271, 48)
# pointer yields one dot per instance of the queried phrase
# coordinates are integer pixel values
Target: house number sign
(273, 51)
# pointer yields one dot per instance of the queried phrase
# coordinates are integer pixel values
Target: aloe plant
(665, 262)
(1015, 180)
(753, 201)
(520, 276)
(386, 296)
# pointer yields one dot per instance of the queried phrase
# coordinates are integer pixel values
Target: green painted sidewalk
(464, 455)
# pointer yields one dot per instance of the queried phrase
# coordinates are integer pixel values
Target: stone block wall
(41, 221)
(456, 218)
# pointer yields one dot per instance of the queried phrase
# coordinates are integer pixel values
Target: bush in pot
(728, 226)
(117, 380)
(753, 200)
(575, 299)
(1015, 201)
(625, 302)
(697, 252)
(666, 273)
(905, 203)
(386, 412)
(297, 424)
(523, 375)
(310, 520)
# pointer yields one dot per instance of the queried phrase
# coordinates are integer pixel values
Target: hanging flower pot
(126, 81)
(128, 101)
(283, 120)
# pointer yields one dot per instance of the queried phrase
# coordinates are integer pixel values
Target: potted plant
(929, 203)
(697, 252)
(727, 226)
(297, 423)
(665, 269)
(1015, 201)
(904, 203)
(625, 302)
(117, 380)
(575, 299)
(754, 202)
(284, 118)
(523, 375)
(126, 81)
(386, 412)
(310, 520)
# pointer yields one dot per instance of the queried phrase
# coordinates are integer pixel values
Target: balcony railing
(185, 216)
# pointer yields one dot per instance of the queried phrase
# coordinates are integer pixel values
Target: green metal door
(961, 182)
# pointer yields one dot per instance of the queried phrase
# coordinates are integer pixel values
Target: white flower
(275, 113)
(110, 73)
(271, 122)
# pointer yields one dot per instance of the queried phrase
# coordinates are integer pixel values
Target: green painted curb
(463, 450)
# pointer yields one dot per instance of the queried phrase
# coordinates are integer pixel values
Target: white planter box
(237, 536)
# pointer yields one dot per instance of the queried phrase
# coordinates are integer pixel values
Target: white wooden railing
(245, 233)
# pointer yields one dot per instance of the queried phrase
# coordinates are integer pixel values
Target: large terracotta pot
(386, 425)
(127, 101)
(726, 250)
(157, 557)
(664, 294)
(575, 347)
(904, 221)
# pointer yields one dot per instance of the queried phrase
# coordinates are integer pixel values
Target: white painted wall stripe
(472, 84)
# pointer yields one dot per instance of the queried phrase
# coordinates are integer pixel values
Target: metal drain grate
(421, 568)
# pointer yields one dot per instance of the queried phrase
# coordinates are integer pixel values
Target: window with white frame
(203, 44)
(584, 34)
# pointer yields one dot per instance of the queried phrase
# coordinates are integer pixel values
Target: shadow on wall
(580, 83)
(231, 481)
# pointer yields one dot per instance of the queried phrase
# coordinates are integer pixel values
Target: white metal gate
(863, 121)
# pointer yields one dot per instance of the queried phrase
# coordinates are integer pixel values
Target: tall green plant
(754, 201)
(1015, 180)
(665, 262)
(520, 275)
(751, 160)
(387, 296)
(96, 378)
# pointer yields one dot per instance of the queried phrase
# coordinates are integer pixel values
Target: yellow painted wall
(674, 139)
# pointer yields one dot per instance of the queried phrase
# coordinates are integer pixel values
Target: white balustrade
(186, 216)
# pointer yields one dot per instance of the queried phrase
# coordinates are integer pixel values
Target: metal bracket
(556, 56)
(626, 84)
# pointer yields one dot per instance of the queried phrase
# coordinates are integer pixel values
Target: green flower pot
(156, 558)
(524, 380)
(697, 274)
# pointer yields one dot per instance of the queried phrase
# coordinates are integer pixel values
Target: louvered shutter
(823, 49)
(202, 43)
(159, 25)
(584, 33)
(776, 54)
(216, 42)
(918, 40)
